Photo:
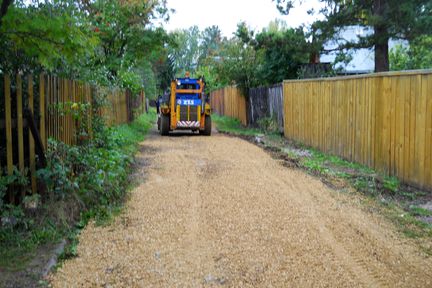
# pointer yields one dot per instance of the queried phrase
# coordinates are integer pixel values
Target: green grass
(418, 211)
(136, 131)
(233, 126)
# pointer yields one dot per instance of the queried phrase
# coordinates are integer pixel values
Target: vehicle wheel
(207, 126)
(164, 124)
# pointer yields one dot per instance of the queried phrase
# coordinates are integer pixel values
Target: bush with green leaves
(82, 182)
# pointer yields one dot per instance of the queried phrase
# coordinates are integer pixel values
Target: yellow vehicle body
(183, 116)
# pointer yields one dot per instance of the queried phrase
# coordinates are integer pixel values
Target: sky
(227, 13)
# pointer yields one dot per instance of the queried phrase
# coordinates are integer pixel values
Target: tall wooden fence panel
(52, 107)
(275, 105)
(380, 120)
(229, 101)
(258, 104)
(266, 102)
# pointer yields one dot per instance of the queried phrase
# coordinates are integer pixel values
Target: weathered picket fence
(33, 110)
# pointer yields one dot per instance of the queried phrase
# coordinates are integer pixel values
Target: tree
(104, 42)
(185, 49)
(211, 39)
(43, 35)
(284, 49)
(396, 19)
(417, 55)
(239, 61)
(127, 38)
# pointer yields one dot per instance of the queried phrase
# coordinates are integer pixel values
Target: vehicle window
(188, 86)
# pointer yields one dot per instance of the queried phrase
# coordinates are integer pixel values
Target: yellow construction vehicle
(187, 108)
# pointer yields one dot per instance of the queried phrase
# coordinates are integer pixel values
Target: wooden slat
(421, 131)
(8, 123)
(42, 109)
(31, 140)
(428, 145)
(20, 128)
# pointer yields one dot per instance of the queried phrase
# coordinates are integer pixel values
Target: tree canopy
(396, 19)
(107, 42)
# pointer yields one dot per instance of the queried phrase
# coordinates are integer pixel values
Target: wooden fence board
(8, 124)
(32, 156)
(428, 140)
(42, 109)
(20, 126)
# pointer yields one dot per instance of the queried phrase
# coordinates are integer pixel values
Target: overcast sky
(227, 13)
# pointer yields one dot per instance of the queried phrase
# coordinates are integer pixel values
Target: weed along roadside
(406, 206)
(83, 182)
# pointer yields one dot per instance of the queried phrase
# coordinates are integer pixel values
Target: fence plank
(8, 123)
(428, 163)
(20, 123)
(32, 157)
(42, 107)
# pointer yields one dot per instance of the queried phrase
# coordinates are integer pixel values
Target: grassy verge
(402, 204)
(233, 125)
(83, 182)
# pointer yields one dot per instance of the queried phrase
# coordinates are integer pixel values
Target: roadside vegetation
(402, 204)
(82, 182)
(102, 43)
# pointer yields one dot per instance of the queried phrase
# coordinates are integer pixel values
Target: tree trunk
(381, 52)
(4, 8)
(381, 37)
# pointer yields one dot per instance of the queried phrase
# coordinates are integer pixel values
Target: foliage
(284, 50)
(232, 125)
(248, 59)
(239, 65)
(127, 38)
(43, 35)
(82, 181)
(396, 19)
(102, 42)
(417, 55)
(421, 212)
(211, 40)
(268, 125)
(391, 184)
(185, 50)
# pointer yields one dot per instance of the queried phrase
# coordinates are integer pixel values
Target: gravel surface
(219, 211)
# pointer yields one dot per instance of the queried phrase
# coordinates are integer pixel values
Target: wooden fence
(229, 101)
(263, 102)
(276, 107)
(257, 105)
(33, 110)
(381, 120)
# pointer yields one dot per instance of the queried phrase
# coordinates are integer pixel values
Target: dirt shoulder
(220, 211)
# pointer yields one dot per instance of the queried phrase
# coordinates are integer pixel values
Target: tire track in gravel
(218, 211)
(355, 267)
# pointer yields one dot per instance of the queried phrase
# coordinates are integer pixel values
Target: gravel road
(219, 211)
